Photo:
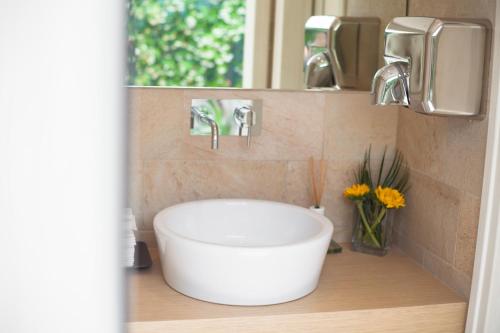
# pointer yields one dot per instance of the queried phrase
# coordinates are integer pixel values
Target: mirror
(254, 44)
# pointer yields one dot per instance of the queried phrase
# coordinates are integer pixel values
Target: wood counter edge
(434, 318)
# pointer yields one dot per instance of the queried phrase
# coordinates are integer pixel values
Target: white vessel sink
(242, 252)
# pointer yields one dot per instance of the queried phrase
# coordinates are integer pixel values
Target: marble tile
(450, 150)
(134, 170)
(431, 216)
(170, 182)
(160, 123)
(339, 209)
(464, 154)
(421, 138)
(409, 245)
(445, 272)
(467, 234)
(292, 126)
(135, 191)
(298, 188)
(352, 124)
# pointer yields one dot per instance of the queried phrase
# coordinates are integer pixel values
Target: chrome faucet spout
(215, 134)
(214, 128)
(390, 85)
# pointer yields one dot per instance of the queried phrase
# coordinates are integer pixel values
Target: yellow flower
(356, 191)
(390, 197)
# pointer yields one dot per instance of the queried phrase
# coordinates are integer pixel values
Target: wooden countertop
(356, 293)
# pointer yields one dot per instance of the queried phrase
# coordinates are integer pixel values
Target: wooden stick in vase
(313, 181)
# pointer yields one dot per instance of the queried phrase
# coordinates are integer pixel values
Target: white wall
(61, 168)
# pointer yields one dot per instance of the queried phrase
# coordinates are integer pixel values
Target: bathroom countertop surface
(356, 292)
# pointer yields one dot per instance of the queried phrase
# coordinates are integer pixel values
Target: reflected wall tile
(453, 8)
(352, 124)
(170, 182)
(433, 8)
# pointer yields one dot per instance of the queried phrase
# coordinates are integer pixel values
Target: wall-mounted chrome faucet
(433, 66)
(225, 117)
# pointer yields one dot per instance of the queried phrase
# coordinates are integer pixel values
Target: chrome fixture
(433, 66)
(390, 84)
(244, 116)
(196, 113)
(341, 52)
(226, 117)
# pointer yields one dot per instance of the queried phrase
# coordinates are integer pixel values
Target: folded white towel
(129, 240)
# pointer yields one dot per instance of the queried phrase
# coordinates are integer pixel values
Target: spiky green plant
(394, 176)
(397, 176)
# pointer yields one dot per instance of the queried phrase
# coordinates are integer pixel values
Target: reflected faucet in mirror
(340, 52)
(196, 113)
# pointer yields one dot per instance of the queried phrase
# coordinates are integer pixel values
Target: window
(186, 42)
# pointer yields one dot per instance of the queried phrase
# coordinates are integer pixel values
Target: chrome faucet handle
(244, 116)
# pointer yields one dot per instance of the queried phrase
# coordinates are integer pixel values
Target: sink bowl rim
(326, 226)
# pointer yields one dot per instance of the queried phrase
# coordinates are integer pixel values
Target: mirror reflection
(240, 43)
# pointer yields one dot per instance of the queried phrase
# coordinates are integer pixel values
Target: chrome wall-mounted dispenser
(433, 66)
(341, 52)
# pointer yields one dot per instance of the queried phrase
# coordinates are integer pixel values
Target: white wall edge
(484, 305)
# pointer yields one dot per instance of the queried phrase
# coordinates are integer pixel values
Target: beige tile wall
(446, 155)
(169, 166)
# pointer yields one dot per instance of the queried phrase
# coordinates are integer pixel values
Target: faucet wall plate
(443, 62)
(222, 112)
(342, 52)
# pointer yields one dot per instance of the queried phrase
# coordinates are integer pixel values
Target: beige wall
(446, 155)
(170, 166)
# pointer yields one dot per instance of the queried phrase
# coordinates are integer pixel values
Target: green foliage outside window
(196, 43)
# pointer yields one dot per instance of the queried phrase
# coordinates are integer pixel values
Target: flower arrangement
(375, 198)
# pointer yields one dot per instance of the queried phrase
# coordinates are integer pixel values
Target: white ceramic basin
(242, 252)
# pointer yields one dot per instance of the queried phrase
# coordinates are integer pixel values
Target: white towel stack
(130, 226)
